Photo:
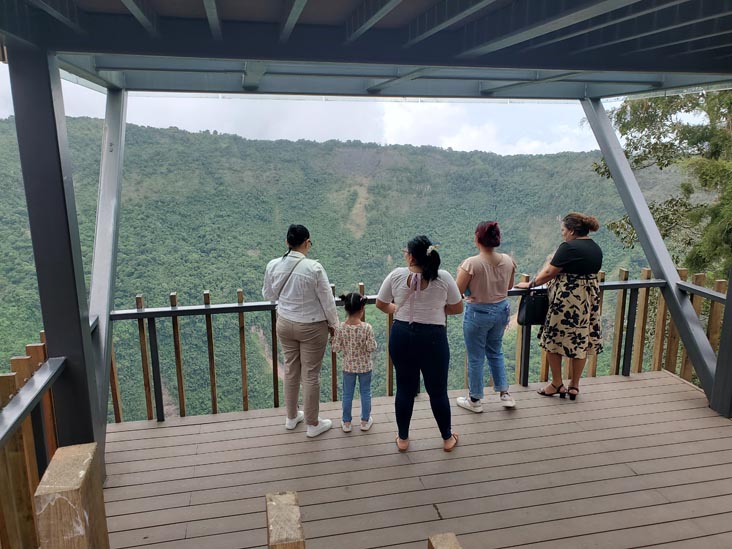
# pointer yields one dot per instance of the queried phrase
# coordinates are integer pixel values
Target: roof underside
(538, 49)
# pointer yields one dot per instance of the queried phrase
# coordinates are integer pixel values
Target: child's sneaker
(292, 423)
(346, 426)
(507, 400)
(366, 425)
(468, 404)
(322, 426)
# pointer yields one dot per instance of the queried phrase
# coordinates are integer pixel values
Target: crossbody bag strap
(287, 278)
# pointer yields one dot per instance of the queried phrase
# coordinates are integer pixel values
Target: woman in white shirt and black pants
(306, 313)
(420, 296)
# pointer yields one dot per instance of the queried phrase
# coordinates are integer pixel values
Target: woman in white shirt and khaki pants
(306, 313)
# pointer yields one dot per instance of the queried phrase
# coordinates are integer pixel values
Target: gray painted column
(722, 394)
(104, 266)
(690, 329)
(44, 159)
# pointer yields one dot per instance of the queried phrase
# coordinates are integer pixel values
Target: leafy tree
(693, 132)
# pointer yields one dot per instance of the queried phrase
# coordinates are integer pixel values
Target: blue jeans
(483, 328)
(364, 387)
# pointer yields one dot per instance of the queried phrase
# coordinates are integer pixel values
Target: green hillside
(206, 211)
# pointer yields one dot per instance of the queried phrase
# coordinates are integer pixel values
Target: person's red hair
(488, 234)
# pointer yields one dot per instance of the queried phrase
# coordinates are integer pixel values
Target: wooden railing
(27, 440)
(627, 349)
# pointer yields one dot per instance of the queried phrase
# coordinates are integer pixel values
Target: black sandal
(572, 396)
(559, 391)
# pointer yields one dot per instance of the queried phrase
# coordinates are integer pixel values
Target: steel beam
(144, 13)
(441, 16)
(214, 20)
(255, 70)
(723, 30)
(366, 15)
(46, 165)
(104, 266)
(722, 393)
(293, 9)
(521, 21)
(683, 314)
(539, 80)
(411, 75)
(63, 11)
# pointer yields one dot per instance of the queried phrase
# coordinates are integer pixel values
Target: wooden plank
(618, 327)
(592, 360)
(69, 501)
(243, 354)
(519, 340)
(714, 326)
(333, 365)
(142, 332)
(38, 354)
(672, 343)
(567, 367)
(544, 367)
(660, 333)
(687, 368)
(211, 358)
(114, 387)
(16, 504)
(443, 541)
(284, 528)
(178, 350)
(639, 339)
(23, 368)
(275, 361)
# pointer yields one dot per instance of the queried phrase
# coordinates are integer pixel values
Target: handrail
(695, 289)
(26, 399)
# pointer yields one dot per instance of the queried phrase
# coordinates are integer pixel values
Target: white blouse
(429, 305)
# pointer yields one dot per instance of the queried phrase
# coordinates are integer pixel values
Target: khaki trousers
(303, 346)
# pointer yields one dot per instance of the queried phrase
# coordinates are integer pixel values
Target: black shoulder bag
(533, 307)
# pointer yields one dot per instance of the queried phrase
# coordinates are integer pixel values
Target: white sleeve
(268, 292)
(453, 292)
(385, 292)
(325, 296)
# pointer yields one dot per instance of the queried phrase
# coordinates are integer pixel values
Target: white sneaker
(292, 423)
(346, 426)
(322, 426)
(507, 400)
(368, 425)
(465, 402)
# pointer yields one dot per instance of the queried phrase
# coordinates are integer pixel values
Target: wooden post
(16, 503)
(275, 377)
(21, 366)
(140, 304)
(362, 291)
(567, 363)
(544, 367)
(243, 353)
(69, 501)
(114, 387)
(519, 341)
(284, 528)
(660, 334)
(687, 368)
(616, 356)
(714, 326)
(672, 344)
(333, 365)
(211, 359)
(38, 354)
(178, 358)
(389, 363)
(592, 360)
(443, 541)
(639, 339)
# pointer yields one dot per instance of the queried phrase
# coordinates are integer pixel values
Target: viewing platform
(634, 461)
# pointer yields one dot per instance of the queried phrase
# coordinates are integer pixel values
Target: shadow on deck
(633, 462)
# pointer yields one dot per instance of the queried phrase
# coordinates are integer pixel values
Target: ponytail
(353, 302)
(425, 255)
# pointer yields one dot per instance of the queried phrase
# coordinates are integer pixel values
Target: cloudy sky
(500, 127)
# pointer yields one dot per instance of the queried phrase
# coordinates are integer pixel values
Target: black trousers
(416, 348)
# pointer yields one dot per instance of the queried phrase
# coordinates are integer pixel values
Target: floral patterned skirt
(572, 326)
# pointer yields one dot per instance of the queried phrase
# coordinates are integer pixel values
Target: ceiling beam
(538, 80)
(255, 70)
(525, 20)
(366, 15)
(412, 75)
(667, 21)
(612, 18)
(713, 47)
(63, 11)
(214, 19)
(684, 40)
(441, 16)
(144, 13)
(293, 9)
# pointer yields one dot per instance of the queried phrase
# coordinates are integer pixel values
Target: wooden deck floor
(634, 462)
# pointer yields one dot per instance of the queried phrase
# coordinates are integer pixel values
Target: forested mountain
(204, 211)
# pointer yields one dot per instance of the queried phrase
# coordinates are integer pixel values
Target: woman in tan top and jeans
(485, 280)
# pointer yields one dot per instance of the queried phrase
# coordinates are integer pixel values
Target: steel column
(104, 266)
(692, 333)
(722, 393)
(44, 159)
